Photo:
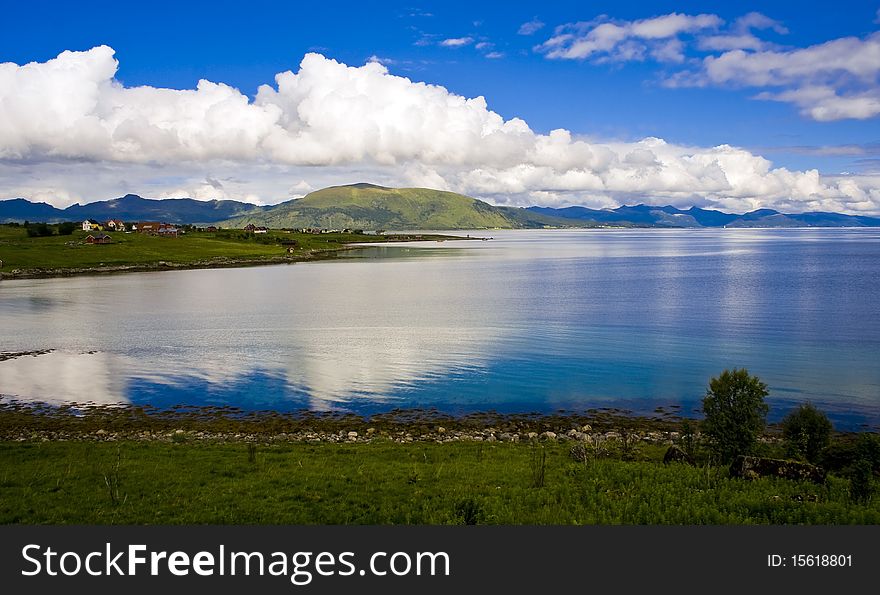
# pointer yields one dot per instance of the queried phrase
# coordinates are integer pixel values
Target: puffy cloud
(740, 41)
(823, 103)
(851, 57)
(67, 125)
(301, 188)
(457, 42)
(756, 20)
(72, 107)
(834, 80)
(625, 40)
(530, 27)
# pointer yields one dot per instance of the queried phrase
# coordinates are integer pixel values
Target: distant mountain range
(695, 217)
(128, 208)
(367, 206)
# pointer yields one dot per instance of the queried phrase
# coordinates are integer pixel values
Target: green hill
(366, 206)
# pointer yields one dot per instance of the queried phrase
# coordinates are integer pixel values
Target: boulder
(753, 467)
(676, 455)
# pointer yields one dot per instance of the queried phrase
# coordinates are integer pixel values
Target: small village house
(101, 238)
(92, 225)
(115, 225)
(151, 227)
(156, 228)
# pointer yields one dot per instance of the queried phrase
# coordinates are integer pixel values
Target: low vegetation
(382, 482)
(56, 249)
(125, 465)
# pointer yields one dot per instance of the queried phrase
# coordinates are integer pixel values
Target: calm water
(529, 321)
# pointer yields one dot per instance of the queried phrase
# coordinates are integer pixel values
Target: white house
(115, 224)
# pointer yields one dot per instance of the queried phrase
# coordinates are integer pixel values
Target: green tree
(806, 431)
(67, 228)
(735, 413)
(38, 230)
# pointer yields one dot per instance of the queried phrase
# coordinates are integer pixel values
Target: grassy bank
(221, 465)
(386, 482)
(59, 255)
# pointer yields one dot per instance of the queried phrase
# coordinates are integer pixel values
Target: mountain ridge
(370, 206)
(128, 207)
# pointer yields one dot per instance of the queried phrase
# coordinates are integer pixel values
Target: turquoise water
(529, 321)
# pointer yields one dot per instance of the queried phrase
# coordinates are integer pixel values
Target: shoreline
(215, 263)
(135, 465)
(221, 262)
(111, 423)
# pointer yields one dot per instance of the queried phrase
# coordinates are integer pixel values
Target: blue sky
(616, 95)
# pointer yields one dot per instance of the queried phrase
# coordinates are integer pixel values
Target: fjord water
(529, 321)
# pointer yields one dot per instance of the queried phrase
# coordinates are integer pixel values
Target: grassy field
(383, 482)
(17, 251)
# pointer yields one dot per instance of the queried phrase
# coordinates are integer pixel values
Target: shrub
(38, 230)
(806, 431)
(688, 438)
(735, 413)
(469, 511)
(868, 448)
(66, 228)
(842, 455)
(861, 484)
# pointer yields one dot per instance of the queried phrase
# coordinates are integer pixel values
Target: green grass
(17, 251)
(383, 482)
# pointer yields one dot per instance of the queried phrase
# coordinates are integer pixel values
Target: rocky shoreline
(439, 434)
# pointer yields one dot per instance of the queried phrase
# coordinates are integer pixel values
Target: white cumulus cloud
(68, 127)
